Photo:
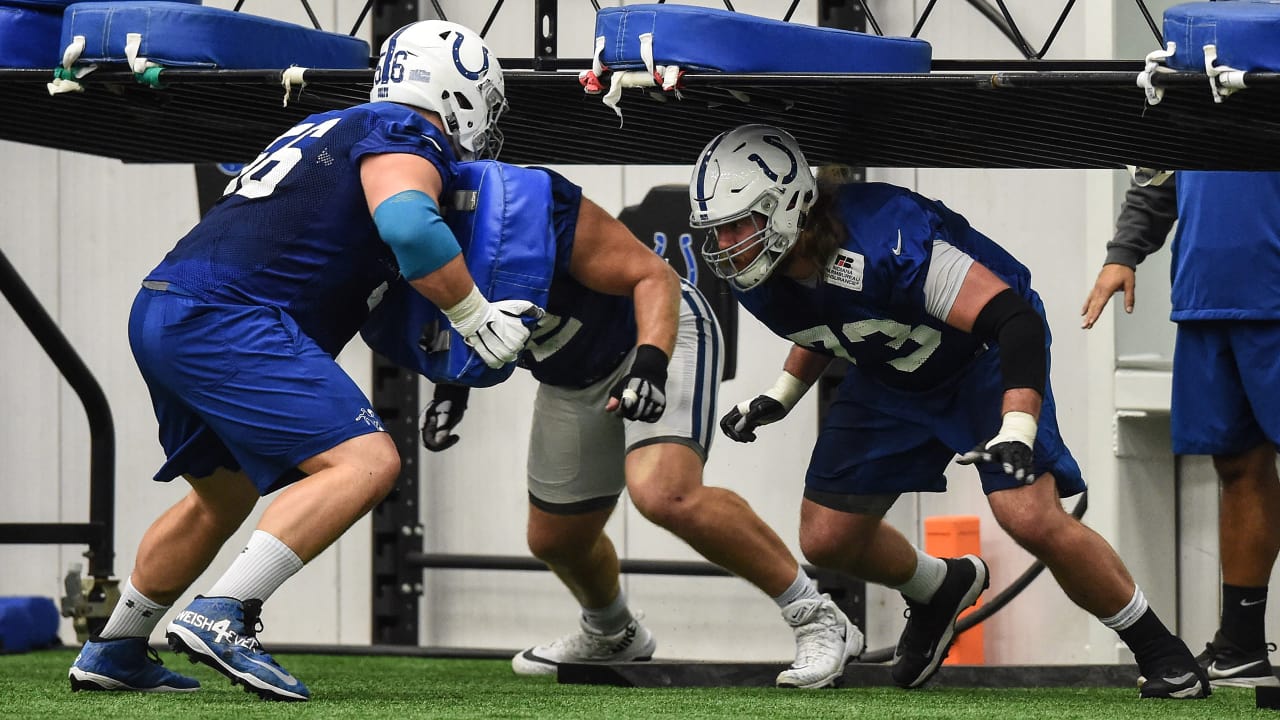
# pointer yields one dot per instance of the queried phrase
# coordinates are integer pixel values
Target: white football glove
(494, 330)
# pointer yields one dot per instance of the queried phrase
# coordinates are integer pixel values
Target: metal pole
(102, 433)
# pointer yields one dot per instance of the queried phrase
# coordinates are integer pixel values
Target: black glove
(444, 413)
(1010, 448)
(641, 394)
(761, 410)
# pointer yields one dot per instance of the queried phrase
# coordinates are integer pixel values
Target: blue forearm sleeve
(410, 223)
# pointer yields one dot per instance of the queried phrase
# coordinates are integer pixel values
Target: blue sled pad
(179, 35)
(27, 623)
(31, 29)
(696, 38)
(1246, 33)
(59, 5)
(501, 216)
(29, 37)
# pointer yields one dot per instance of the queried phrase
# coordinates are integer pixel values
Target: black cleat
(1227, 665)
(1177, 677)
(932, 626)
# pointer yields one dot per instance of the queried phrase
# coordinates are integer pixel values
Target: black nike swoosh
(530, 655)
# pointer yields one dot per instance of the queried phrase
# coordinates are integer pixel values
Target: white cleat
(633, 643)
(826, 641)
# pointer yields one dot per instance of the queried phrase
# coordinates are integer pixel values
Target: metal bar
(360, 19)
(489, 21)
(994, 18)
(630, 566)
(315, 21)
(396, 521)
(446, 561)
(51, 534)
(546, 32)
(924, 16)
(1151, 23)
(102, 434)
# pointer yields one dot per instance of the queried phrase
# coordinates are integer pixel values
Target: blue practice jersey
(868, 305)
(1226, 251)
(585, 333)
(294, 231)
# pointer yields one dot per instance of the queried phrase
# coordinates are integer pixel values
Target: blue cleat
(125, 664)
(223, 634)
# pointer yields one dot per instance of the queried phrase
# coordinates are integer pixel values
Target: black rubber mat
(708, 674)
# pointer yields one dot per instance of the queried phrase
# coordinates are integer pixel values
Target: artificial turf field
(34, 685)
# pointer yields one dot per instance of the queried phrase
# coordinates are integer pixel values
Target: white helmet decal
(751, 169)
(445, 68)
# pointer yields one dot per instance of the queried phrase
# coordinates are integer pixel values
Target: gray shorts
(577, 450)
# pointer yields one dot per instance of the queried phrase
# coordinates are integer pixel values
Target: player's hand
(501, 334)
(442, 415)
(772, 405)
(1010, 448)
(741, 422)
(641, 394)
(1111, 279)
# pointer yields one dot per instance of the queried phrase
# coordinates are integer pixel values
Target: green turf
(385, 688)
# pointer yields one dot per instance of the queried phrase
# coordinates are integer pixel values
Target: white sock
(609, 619)
(802, 588)
(259, 569)
(930, 572)
(1129, 614)
(135, 615)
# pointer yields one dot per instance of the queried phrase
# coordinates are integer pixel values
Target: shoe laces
(585, 643)
(251, 617)
(922, 625)
(154, 657)
(816, 636)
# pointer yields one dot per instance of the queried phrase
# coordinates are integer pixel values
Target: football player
(235, 333)
(628, 359)
(948, 353)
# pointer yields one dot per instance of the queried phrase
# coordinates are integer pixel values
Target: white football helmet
(446, 68)
(751, 169)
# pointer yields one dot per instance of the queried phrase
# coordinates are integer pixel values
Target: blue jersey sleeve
(893, 230)
(397, 129)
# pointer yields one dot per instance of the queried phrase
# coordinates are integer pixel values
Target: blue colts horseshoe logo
(457, 60)
(776, 141)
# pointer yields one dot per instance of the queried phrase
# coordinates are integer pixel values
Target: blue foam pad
(1246, 33)
(698, 38)
(29, 37)
(27, 623)
(60, 5)
(509, 246)
(180, 35)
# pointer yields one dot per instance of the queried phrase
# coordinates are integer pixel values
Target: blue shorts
(880, 441)
(1226, 386)
(240, 387)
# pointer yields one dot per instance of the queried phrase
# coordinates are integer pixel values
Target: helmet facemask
(769, 244)
(486, 143)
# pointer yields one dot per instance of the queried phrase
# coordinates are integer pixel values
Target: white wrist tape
(469, 313)
(1017, 426)
(787, 390)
